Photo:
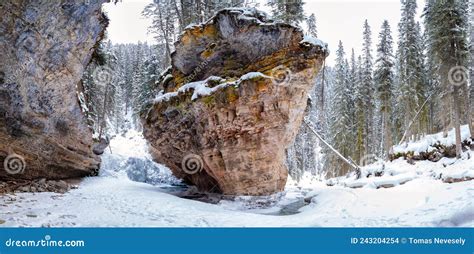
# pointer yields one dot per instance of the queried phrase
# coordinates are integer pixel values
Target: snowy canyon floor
(113, 200)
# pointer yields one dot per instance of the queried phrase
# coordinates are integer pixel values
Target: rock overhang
(237, 122)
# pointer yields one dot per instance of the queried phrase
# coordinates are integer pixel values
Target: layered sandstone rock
(228, 133)
(44, 47)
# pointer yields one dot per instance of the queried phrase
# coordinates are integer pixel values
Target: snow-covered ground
(426, 143)
(112, 199)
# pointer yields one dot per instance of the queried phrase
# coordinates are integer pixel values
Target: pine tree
(340, 122)
(433, 89)
(383, 77)
(411, 81)
(471, 43)
(98, 85)
(367, 92)
(288, 11)
(146, 90)
(352, 87)
(164, 15)
(360, 118)
(447, 27)
(311, 23)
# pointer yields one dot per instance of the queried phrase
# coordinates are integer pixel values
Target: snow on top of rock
(201, 88)
(314, 41)
(165, 97)
(253, 75)
(167, 70)
(426, 144)
(249, 13)
(191, 26)
(245, 13)
(167, 78)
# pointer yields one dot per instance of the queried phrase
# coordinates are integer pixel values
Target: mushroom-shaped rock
(233, 101)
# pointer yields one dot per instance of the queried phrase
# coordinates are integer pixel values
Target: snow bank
(426, 144)
(399, 172)
(390, 174)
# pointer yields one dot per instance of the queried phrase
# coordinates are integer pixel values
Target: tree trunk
(467, 108)
(321, 98)
(102, 120)
(457, 120)
(180, 16)
(446, 108)
(387, 135)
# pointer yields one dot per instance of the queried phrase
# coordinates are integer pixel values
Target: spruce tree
(447, 27)
(164, 15)
(383, 77)
(288, 11)
(360, 118)
(411, 81)
(367, 91)
(471, 43)
(311, 23)
(340, 122)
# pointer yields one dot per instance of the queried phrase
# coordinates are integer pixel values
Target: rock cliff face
(44, 47)
(228, 133)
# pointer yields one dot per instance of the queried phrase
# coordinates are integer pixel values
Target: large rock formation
(228, 133)
(44, 47)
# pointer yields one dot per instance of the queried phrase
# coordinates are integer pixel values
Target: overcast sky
(336, 20)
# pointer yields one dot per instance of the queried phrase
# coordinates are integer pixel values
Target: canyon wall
(44, 48)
